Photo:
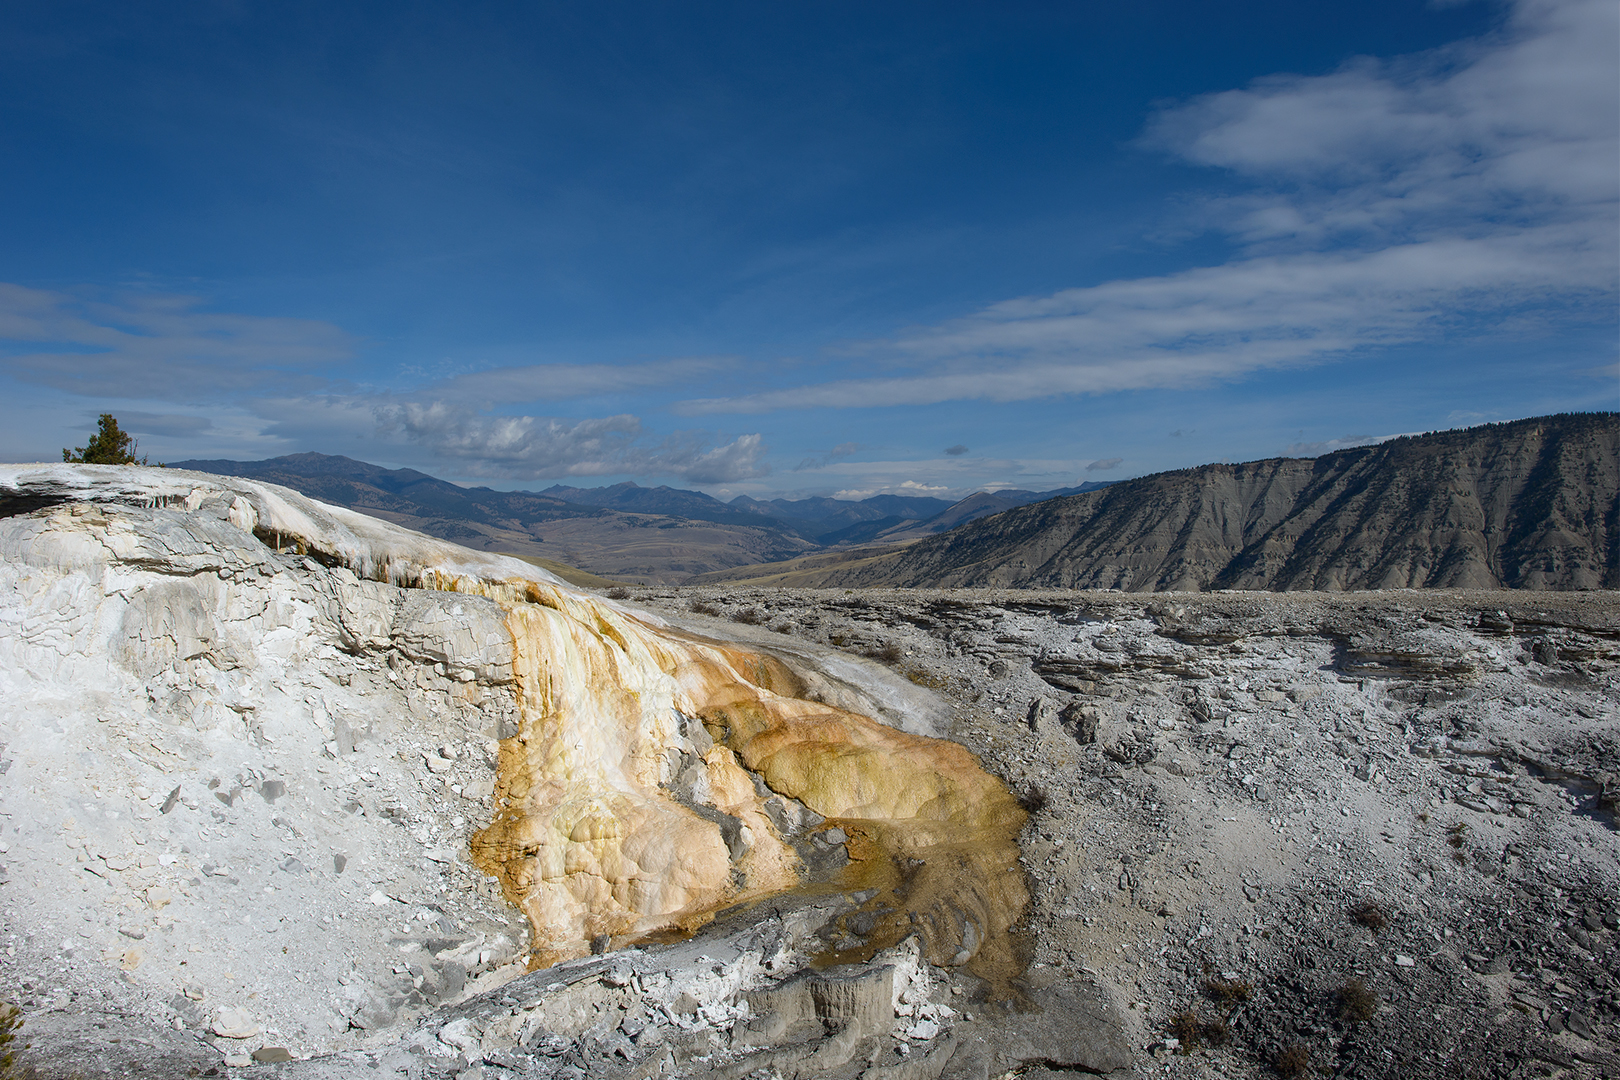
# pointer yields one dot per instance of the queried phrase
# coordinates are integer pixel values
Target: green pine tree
(108, 446)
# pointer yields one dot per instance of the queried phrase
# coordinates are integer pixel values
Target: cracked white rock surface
(214, 757)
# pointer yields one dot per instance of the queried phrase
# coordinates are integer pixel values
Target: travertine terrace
(177, 648)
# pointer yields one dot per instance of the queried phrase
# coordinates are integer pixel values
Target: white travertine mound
(371, 548)
(222, 763)
(250, 737)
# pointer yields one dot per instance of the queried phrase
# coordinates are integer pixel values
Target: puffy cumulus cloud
(1104, 464)
(514, 446)
(164, 347)
(738, 460)
(1390, 202)
(531, 447)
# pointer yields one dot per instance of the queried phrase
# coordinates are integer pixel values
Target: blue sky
(802, 248)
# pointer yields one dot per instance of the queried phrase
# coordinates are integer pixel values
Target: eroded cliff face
(1531, 504)
(197, 671)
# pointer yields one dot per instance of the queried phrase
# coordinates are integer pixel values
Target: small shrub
(1294, 1061)
(1033, 799)
(1356, 1002)
(888, 652)
(1228, 992)
(1456, 836)
(923, 678)
(703, 607)
(618, 592)
(751, 616)
(1369, 914)
(1185, 1026)
(838, 640)
(10, 1021)
(1193, 1031)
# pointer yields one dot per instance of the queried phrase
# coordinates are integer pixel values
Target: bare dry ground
(1374, 832)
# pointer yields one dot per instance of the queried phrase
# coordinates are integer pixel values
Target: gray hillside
(1531, 504)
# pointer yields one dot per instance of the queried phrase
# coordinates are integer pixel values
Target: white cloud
(514, 446)
(551, 382)
(1104, 464)
(837, 453)
(945, 478)
(1515, 129)
(160, 347)
(737, 460)
(149, 348)
(1393, 202)
(173, 425)
(1327, 446)
(531, 447)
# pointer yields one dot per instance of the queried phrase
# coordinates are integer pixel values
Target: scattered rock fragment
(231, 1022)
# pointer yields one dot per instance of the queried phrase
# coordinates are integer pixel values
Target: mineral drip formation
(644, 777)
(658, 777)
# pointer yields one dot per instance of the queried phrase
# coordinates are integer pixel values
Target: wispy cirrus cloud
(553, 382)
(1348, 442)
(1391, 202)
(165, 346)
(160, 347)
(148, 347)
(175, 425)
(837, 453)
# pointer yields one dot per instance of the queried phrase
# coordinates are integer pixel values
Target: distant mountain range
(1531, 504)
(1527, 504)
(624, 530)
